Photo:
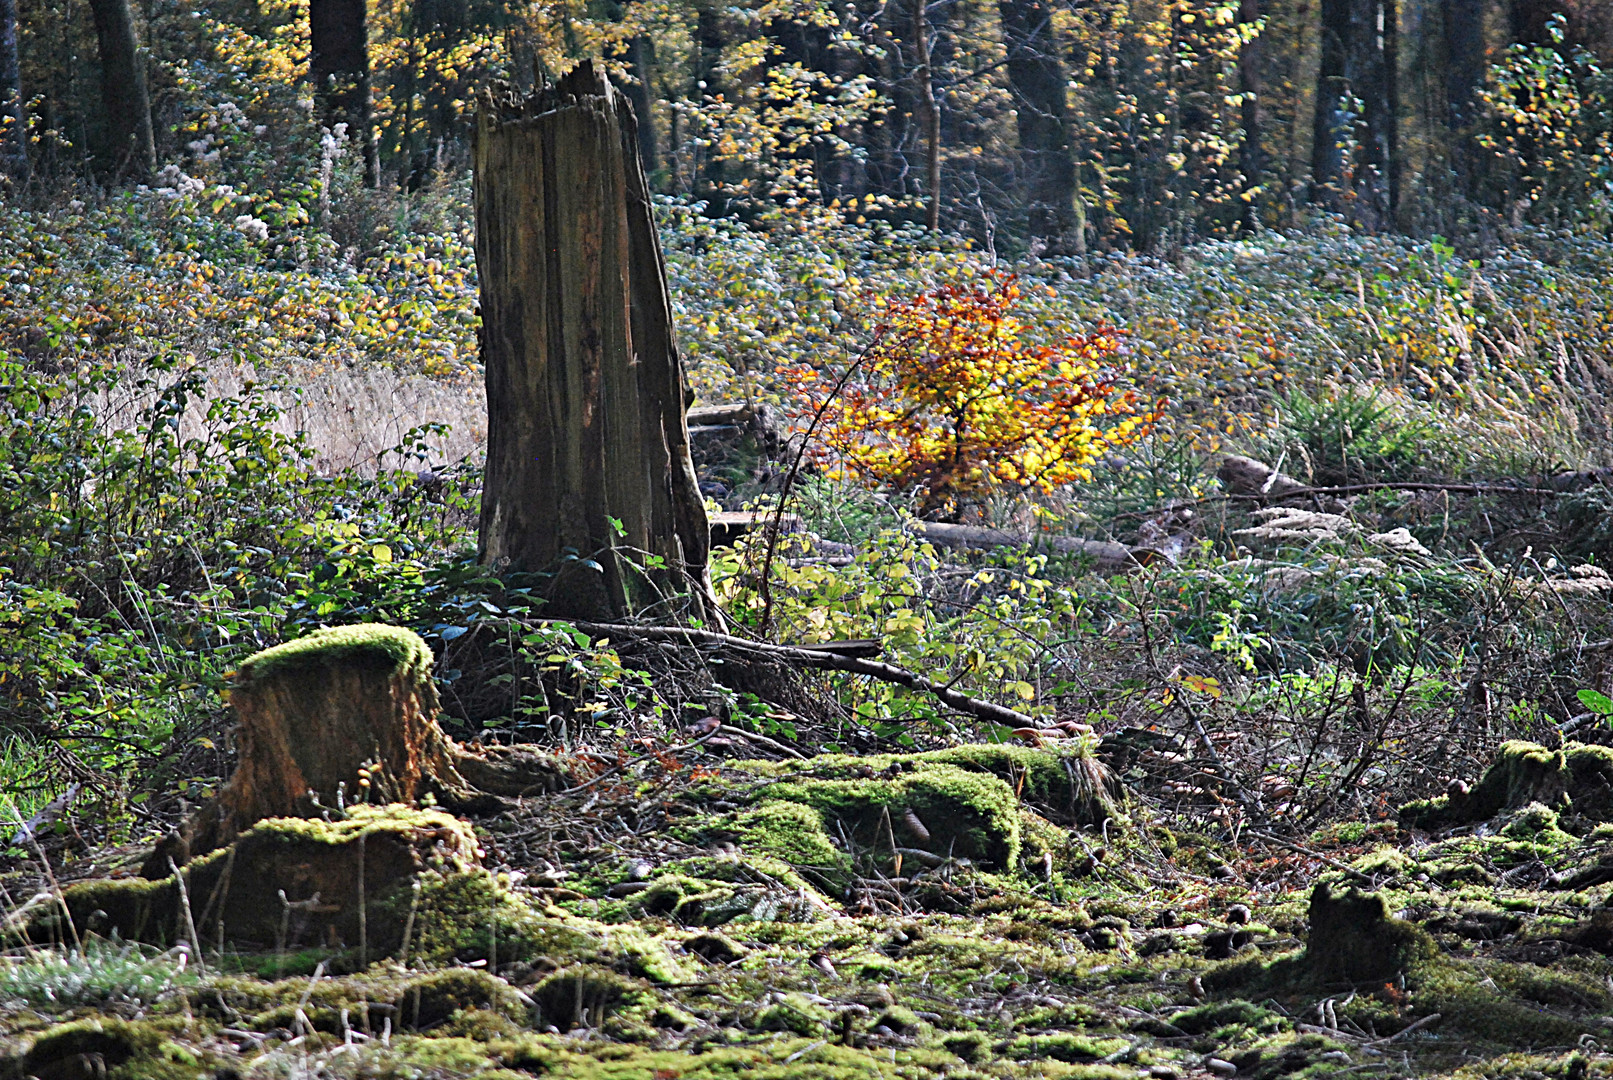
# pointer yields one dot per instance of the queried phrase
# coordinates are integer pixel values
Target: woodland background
(1365, 240)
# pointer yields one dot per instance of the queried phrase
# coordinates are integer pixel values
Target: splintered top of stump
(583, 85)
(394, 647)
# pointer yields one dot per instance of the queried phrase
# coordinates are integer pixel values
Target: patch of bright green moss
(369, 643)
(648, 956)
(1213, 1015)
(966, 814)
(795, 1013)
(1383, 862)
(1064, 1046)
(790, 831)
(1521, 774)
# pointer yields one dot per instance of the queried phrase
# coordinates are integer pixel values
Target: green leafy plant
(1598, 703)
(1349, 436)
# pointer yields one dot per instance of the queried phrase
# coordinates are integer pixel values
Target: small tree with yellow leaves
(951, 403)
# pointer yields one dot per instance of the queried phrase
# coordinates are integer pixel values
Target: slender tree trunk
(1464, 57)
(1373, 78)
(710, 175)
(1251, 152)
(1332, 106)
(589, 482)
(123, 89)
(1037, 80)
(1357, 100)
(929, 117)
(340, 69)
(13, 123)
(641, 59)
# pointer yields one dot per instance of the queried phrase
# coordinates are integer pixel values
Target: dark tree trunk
(13, 126)
(1464, 57)
(1357, 152)
(641, 59)
(1528, 20)
(130, 147)
(929, 117)
(340, 69)
(589, 477)
(1332, 106)
(1037, 80)
(1251, 152)
(1378, 88)
(710, 175)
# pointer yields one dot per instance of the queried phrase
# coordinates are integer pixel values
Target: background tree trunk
(1463, 22)
(709, 178)
(1251, 153)
(929, 116)
(13, 123)
(641, 58)
(1037, 80)
(340, 69)
(589, 477)
(1332, 106)
(123, 89)
(1357, 148)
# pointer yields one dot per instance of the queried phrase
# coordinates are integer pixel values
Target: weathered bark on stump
(344, 715)
(123, 88)
(589, 477)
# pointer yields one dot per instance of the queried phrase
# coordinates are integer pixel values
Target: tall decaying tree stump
(589, 476)
(342, 716)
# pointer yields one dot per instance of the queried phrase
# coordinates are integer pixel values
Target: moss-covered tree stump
(1354, 939)
(345, 715)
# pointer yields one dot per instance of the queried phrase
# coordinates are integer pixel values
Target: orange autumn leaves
(949, 401)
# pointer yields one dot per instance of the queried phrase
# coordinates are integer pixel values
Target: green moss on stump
(1578, 775)
(302, 856)
(966, 814)
(1353, 939)
(110, 1049)
(367, 643)
(1069, 785)
(791, 831)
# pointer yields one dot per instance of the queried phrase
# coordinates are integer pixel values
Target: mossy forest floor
(972, 912)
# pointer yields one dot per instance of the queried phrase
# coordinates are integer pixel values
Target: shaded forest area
(1059, 128)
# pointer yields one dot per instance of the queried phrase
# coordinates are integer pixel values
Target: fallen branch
(1248, 479)
(1431, 1018)
(1106, 554)
(760, 740)
(817, 659)
(1301, 849)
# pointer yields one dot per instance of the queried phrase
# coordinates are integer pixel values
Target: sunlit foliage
(950, 401)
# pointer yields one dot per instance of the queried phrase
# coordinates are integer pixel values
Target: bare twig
(813, 658)
(1309, 853)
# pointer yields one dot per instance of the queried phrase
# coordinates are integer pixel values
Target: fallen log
(1246, 476)
(1108, 556)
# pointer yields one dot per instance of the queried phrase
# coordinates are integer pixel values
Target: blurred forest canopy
(1054, 128)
